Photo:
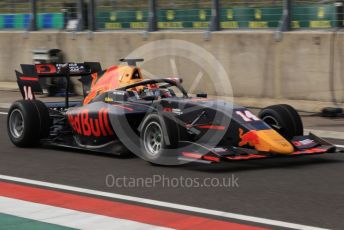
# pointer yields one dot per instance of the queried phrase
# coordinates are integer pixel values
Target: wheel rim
(16, 123)
(273, 123)
(153, 138)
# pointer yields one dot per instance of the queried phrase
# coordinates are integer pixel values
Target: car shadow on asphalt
(233, 166)
(90, 152)
(263, 164)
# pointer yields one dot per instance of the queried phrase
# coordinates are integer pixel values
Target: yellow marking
(258, 24)
(295, 24)
(229, 24)
(175, 25)
(113, 16)
(170, 15)
(200, 24)
(139, 15)
(321, 12)
(202, 14)
(138, 25)
(113, 25)
(320, 24)
(108, 99)
(230, 14)
(258, 14)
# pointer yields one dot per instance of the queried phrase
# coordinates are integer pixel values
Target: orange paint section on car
(114, 77)
(265, 140)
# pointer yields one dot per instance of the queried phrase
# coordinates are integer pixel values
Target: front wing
(205, 154)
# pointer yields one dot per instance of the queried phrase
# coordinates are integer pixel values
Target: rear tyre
(27, 122)
(284, 119)
(45, 122)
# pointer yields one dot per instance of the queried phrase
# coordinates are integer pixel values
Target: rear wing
(28, 80)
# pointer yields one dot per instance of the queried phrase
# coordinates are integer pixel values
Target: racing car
(123, 113)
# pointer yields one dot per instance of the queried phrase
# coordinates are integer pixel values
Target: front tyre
(153, 140)
(27, 122)
(155, 147)
(284, 119)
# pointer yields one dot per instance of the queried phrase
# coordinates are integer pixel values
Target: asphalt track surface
(304, 190)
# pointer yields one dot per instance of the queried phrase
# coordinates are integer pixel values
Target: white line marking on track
(67, 217)
(163, 204)
(3, 113)
(326, 133)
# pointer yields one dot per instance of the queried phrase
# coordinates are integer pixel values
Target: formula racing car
(123, 113)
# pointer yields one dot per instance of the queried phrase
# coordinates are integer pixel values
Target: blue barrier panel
(47, 21)
(22, 21)
(9, 21)
(26, 22)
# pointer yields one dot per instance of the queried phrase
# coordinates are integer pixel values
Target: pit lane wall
(302, 65)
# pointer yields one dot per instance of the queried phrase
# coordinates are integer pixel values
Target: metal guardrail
(154, 15)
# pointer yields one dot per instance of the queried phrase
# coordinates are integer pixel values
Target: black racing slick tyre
(27, 122)
(159, 136)
(284, 119)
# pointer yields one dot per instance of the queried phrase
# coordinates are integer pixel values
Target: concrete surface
(299, 66)
(8, 86)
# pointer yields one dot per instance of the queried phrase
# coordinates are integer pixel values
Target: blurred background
(278, 49)
(175, 14)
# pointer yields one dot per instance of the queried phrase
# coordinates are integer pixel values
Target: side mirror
(202, 95)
